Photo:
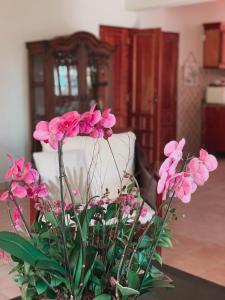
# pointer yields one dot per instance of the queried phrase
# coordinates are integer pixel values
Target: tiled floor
(200, 235)
(200, 231)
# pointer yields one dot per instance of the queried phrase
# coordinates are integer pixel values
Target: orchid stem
(60, 158)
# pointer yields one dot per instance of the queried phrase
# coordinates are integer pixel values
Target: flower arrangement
(100, 250)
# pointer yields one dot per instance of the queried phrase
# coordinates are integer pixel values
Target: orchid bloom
(183, 184)
(89, 119)
(92, 123)
(108, 120)
(16, 190)
(50, 132)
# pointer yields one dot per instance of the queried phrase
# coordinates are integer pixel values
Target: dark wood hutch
(68, 73)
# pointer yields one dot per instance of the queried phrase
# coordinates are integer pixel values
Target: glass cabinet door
(97, 81)
(38, 91)
(66, 82)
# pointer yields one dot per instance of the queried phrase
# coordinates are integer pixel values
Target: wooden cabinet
(214, 45)
(69, 73)
(145, 64)
(213, 125)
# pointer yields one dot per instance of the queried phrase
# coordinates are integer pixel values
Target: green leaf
(126, 291)
(20, 248)
(99, 266)
(50, 217)
(133, 280)
(145, 242)
(157, 257)
(110, 253)
(111, 211)
(52, 265)
(165, 242)
(78, 271)
(59, 279)
(103, 297)
(41, 287)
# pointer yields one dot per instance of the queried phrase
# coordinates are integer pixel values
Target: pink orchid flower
(70, 124)
(108, 119)
(50, 132)
(35, 191)
(16, 170)
(16, 189)
(174, 149)
(198, 171)
(209, 160)
(144, 212)
(89, 119)
(184, 186)
(21, 171)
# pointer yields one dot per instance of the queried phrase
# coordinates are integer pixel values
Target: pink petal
(186, 198)
(41, 131)
(97, 133)
(4, 196)
(162, 183)
(18, 190)
(170, 147)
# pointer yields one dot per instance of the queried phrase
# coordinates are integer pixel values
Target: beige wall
(27, 20)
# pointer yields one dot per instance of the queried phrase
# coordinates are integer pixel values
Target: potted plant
(100, 250)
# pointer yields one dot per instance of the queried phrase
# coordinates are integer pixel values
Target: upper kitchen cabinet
(69, 73)
(214, 45)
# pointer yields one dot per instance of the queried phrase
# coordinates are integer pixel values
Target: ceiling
(145, 4)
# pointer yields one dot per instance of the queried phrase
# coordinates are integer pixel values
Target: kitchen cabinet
(214, 45)
(213, 125)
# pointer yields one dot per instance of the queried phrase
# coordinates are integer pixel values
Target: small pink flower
(209, 160)
(88, 120)
(18, 190)
(144, 212)
(174, 149)
(108, 119)
(35, 191)
(50, 132)
(183, 186)
(16, 170)
(70, 123)
(198, 171)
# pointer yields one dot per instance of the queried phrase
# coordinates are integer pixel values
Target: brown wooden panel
(212, 48)
(168, 89)
(119, 38)
(213, 128)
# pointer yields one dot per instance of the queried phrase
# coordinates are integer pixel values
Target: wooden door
(168, 89)
(145, 90)
(120, 39)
